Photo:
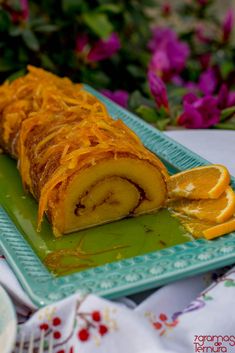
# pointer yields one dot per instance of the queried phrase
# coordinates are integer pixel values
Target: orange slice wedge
(213, 210)
(207, 182)
(209, 230)
(219, 229)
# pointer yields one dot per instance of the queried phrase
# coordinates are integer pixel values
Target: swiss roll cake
(83, 167)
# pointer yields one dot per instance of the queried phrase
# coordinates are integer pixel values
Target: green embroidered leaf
(229, 283)
(207, 297)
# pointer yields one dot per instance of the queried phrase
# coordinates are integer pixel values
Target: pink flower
(200, 34)
(100, 50)
(104, 48)
(225, 99)
(120, 97)
(25, 9)
(166, 9)
(81, 41)
(158, 90)
(199, 113)
(169, 53)
(207, 82)
(205, 60)
(160, 64)
(202, 2)
(17, 15)
(227, 25)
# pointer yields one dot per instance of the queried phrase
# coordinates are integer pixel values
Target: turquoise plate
(124, 270)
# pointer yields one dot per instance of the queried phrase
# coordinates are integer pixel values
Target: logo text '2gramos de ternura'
(214, 343)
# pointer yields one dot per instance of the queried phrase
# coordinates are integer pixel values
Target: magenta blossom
(199, 113)
(158, 90)
(120, 97)
(100, 50)
(25, 9)
(207, 82)
(225, 99)
(169, 53)
(227, 25)
(202, 2)
(205, 60)
(82, 41)
(200, 34)
(104, 48)
(20, 15)
(166, 9)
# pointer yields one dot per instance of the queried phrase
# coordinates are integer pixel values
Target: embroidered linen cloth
(192, 315)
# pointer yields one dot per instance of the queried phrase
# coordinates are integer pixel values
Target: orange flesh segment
(213, 210)
(207, 229)
(207, 182)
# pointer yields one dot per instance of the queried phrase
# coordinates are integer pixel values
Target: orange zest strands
(207, 182)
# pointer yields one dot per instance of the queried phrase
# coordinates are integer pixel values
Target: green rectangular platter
(125, 257)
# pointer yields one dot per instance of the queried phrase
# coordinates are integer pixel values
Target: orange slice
(220, 229)
(213, 210)
(209, 230)
(207, 182)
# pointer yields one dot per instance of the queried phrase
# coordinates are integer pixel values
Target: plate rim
(130, 275)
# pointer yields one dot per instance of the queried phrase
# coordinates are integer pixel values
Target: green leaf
(4, 21)
(162, 123)
(226, 68)
(47, 63)
(148, 114)
(5, 65)
(158, 117)
(136, 71)
(15, 31)
(39, 21)
(74, 6)
(113, 8)
(30, 39)
(16, 74)
(226, 113)
(226, 126)
(46, 28)
(135, 100)
(98, 23)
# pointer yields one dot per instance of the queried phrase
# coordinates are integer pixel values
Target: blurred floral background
(170, 62)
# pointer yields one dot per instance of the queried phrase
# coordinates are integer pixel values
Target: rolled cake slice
(111, 189)
(82, 166)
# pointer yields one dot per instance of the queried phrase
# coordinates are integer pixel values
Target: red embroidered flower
(162, 317)
(56, 335)
(96, 316)
(83, 334)
(163, 323)
(103, 330)
(44, 326)
(56, 321)
(157, 325)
